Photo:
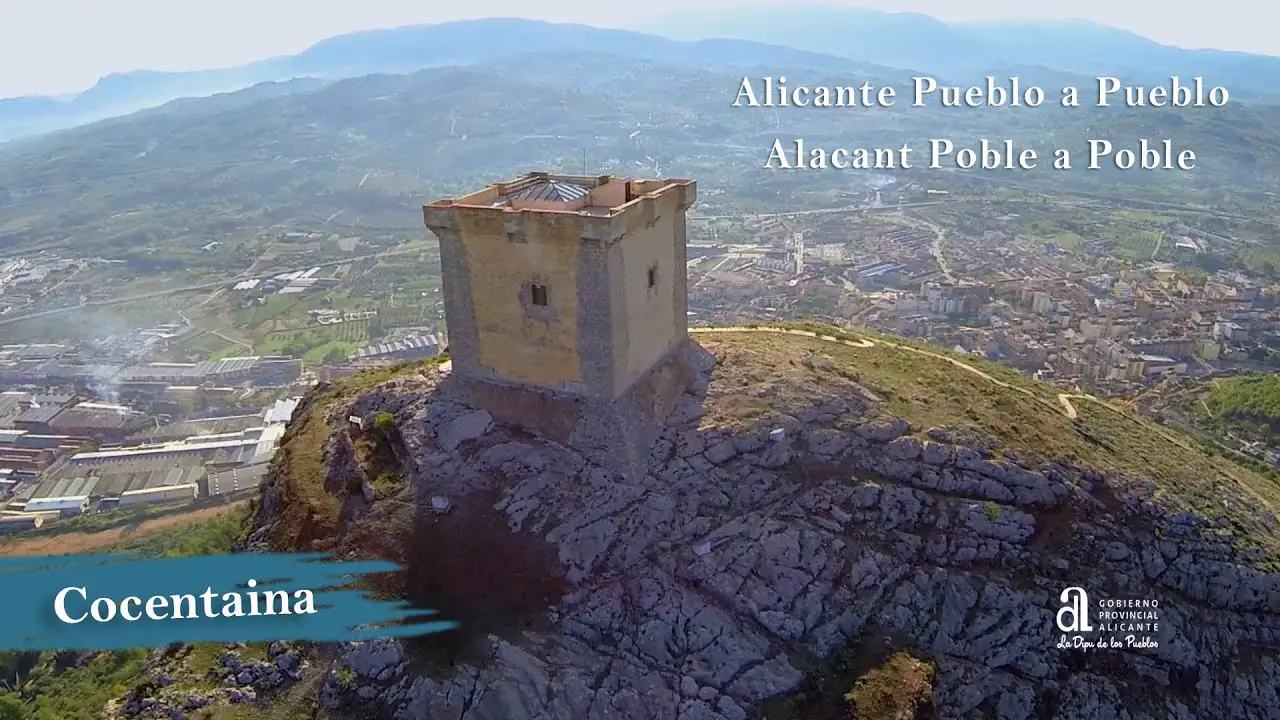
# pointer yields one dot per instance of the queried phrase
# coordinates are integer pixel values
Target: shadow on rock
(467, 564)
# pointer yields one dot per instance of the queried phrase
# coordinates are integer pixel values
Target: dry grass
(768, 374)
(899, 689)
(870, 678)
(771, 372)
(764, 373)
(310, 513)
(82, 542)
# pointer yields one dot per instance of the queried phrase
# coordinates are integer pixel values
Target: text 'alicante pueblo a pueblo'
(986, 154)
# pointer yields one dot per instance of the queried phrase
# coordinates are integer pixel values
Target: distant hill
(398, 50)
(293, 154)
(115, 95)
(920, 42)
(904, 40)
(1083, 47)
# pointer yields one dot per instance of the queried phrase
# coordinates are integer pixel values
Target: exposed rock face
(241, 681)
(698, 591)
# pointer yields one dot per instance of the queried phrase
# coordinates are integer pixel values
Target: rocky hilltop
(831, 526)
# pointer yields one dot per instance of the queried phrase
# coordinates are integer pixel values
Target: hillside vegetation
(1024, 419)
(1250, 398)
(761, 379)
(1021, 417)
(775, 378)
(1246, 407)
(79, 686)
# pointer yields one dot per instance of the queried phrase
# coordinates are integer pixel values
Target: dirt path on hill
(1064, 399)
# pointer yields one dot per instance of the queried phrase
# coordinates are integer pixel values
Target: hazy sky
(57, 46)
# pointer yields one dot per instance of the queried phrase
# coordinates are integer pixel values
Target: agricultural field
(1133, 235)
(398, 277)
(319, 343)
(1137, 246)
(204, 346)
(275, 310)
(292, 312)
(1141, 217)
(415, 314)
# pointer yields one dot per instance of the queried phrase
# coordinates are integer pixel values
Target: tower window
(538, 295)
(653, 277)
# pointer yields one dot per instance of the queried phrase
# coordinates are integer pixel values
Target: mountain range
(833, 39)
(390, 51)
(923, 43)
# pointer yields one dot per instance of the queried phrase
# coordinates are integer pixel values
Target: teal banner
(112, 602)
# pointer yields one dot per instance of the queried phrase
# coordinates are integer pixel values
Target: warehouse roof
(192, 428)
(282, 411)
(120, 483)
(237, 479)
(167, 448)
(413, 343)
(66, 487)
(40, 414)
(95, 417)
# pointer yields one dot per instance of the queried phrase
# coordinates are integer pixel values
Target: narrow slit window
(538, 294)
(653, 277)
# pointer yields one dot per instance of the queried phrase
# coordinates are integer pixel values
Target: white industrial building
(229, 457)
(164, 493)
(73, 505)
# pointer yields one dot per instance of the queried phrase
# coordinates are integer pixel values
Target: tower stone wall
(566, 305)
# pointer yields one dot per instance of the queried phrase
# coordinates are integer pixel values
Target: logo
(1075, 607)
(1121, 623)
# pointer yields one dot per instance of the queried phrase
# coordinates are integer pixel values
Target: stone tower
(566, 303)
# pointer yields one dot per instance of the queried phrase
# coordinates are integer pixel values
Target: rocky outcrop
(707, 587)
(240, 681)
